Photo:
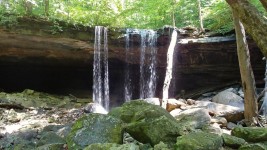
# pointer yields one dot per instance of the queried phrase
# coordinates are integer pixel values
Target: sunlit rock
(173, 104)
(230, 113)
(220, 120)
(229, 98)
(94, 108)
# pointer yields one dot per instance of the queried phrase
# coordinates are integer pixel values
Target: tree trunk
(46, 7)
(28, 7)
(200, 16)
(168, 75)
(254, 23)
(264, 4)
(248, 82)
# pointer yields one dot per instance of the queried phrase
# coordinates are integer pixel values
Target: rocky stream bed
(36, 120)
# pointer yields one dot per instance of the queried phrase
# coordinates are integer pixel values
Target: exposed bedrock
(31, 57)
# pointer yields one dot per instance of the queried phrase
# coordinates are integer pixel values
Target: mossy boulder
(54, 146)
(195, 118)
(250, 134)
(95, 128)
(199, 141)
(50, 138)
(154, 130)
(112, 146)
(161, 146)
(232, 141)
(148, 123)
(255, 146)
(137, 110)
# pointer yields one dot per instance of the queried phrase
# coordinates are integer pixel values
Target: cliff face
(32, 57)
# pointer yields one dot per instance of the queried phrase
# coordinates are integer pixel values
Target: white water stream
(148, 62)
(100, 72)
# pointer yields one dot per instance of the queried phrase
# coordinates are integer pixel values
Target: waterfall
(152, 80)
(148, 61)
(142, 64)
(127, 80)
(106, 76)
(100, 87)
(263, 108)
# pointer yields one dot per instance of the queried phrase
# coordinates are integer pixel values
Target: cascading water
(263, 108)
(106, 73)
(152, 39)
(142, 65)
(148, 62)
(127, 81)
(100, 88)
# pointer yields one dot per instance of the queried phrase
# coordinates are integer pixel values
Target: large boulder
(251, 134)
(53, 146)
(137, 110)
(112, 146)
(194, 118)
(232, 141)
(230, 113)
(148, 123)
(228, 98)
(50, 138)
(254, 146)
(199, 141)
(95, 128)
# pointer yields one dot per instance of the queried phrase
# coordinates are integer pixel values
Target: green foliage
(218, 17)
(8, 20)
(56, 28)
(124, 13)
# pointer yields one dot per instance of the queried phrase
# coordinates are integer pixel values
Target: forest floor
(27, 116)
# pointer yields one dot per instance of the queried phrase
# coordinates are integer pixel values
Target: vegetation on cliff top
(153, 14)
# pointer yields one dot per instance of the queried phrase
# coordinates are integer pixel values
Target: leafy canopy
(124, 13)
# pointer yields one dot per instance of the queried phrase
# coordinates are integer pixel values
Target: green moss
(251, 134)
(95, 128)
(199, 141)
(232, 141)
(255, 146)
